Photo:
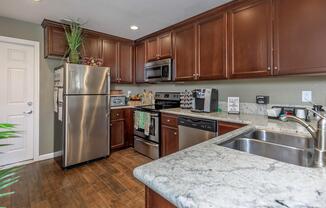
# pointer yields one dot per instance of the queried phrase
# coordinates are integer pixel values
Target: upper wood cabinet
(250, 38)
(55, 44)
(300, 36)
(92, 45)
(125, 63)
(159, 47)
(212, 47)
(110, 57)
(139, 62)
(185, 52)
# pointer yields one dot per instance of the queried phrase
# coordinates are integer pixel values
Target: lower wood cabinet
(154, 200)
(225, 127)
(121, 131)
(169, 134)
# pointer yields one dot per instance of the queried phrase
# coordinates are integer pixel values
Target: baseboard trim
(49, 156)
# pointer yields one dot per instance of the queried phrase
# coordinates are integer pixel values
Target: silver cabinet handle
(269, 68)
(28, 112)
(275, 67)
(175, 133)
(168, 120)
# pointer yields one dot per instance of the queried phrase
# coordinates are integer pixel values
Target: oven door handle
(148, 143)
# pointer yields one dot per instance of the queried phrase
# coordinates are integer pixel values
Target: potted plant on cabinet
(74, 38)
(7, 176)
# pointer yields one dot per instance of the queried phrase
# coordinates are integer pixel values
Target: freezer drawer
(86, 128)
(147, 148)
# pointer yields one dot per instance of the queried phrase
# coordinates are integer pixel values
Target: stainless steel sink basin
(282, 147)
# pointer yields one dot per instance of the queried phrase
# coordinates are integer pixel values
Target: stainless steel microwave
(158, 71)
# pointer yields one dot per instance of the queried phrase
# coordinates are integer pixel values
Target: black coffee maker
(205, 100)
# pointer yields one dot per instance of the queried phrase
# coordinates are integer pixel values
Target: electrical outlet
(306, 96)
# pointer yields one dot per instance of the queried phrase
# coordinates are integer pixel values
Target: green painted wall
(29, 31)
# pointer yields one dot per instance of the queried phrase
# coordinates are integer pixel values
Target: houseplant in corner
(74, 38)
(7, 176)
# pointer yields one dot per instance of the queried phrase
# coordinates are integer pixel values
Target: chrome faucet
(319, 136)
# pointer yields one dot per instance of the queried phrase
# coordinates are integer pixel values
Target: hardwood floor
(103, 183)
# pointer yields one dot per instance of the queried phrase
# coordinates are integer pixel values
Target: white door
(16, 99)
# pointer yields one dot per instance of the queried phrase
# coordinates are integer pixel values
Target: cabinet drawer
(117, 114)
(169, 120)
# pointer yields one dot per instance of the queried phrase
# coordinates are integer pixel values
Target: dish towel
(147, 122)
(142, 120)
(136, 119)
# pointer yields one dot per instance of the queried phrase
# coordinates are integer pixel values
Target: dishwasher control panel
(198, 123)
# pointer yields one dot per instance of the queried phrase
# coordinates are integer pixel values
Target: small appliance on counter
(118, 100)
(205, 100)
(276, 111)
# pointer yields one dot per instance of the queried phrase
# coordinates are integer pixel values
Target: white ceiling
(110, 16)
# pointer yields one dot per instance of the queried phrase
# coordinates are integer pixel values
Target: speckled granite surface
(259, 121)
(208, 175)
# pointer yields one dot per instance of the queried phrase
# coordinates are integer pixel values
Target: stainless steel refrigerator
(81, 113)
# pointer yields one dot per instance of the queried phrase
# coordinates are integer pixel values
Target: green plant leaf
(7, 126)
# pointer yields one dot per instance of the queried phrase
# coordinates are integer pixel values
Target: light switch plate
(306, 96)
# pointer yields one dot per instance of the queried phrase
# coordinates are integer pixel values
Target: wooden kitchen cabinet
(169, 134)
(159, 47)
(110, 57)
(154, 200)
(300, 37)
(92, 46)
(250, 36)
(125, 63)
(185, 52)
(139, 62)
(225, 127)
(212, 47)
(121, 131)
(55, 44)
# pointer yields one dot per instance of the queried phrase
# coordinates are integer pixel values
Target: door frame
(36, 90)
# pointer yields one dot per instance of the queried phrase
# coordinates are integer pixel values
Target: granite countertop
(259, 121)
(209, 175)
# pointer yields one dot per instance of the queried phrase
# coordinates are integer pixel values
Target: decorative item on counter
(274, 112)
(74, 39)
(186, 99)
(91, 61)
(319, 109)
(233, 105)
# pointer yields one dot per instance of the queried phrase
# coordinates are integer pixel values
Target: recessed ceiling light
(133, 27)
(37, 0)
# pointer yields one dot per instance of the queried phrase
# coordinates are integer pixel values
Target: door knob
(28, 112)
(30, 103)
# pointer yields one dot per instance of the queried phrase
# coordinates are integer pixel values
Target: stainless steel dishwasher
(193, 131)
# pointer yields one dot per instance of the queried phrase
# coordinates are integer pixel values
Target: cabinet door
(56, 44)
(117, 134)
(300, 36)
(185, 53)
(125, 63)
(170, 140)
(151, 49)
(212, 47)
(225, 127)
(165, 45)
(140, 62)
(250, 39)
(154, 200)
(110, 57)
(129, 124)
(92, 46)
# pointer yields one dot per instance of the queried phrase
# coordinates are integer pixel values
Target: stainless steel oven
(148, 144)
(158, 71)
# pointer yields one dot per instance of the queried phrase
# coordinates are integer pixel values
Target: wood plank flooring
(103, 183)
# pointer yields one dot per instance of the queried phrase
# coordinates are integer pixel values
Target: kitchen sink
(282, 147)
